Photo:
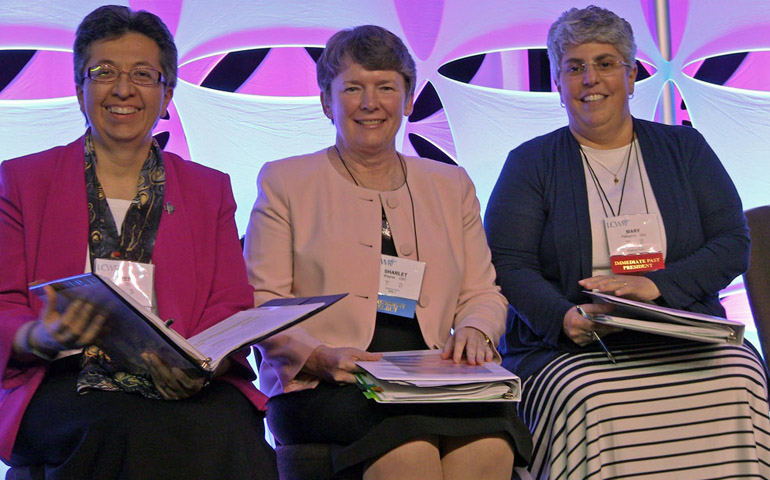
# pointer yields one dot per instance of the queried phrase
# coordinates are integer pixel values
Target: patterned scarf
(135, 243)
(137, 237)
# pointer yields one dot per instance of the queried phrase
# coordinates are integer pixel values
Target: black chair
(757, 277)
(34, 472)
(308, 461)
(304, 461)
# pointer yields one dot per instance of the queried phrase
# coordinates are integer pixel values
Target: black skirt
(362, 430)
(216, 433)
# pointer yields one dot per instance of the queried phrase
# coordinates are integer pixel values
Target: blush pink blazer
(200, 276)
(312, 232)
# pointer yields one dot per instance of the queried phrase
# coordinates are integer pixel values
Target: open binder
(422, 376)
(645, 317)
(131, 329)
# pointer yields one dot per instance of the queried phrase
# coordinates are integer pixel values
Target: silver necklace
(386, 232)
(620, 167)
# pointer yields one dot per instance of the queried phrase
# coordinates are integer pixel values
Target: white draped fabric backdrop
(276, 112)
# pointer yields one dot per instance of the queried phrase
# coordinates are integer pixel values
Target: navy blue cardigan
(538, 227)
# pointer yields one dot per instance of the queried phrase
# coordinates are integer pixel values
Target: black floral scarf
(135, 243)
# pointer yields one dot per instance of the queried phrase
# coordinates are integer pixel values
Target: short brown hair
(112, 21)
(372, 47)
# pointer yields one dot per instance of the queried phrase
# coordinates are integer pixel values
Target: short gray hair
(586, 25)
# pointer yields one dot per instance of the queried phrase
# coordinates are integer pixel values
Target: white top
(119, 208)
(614, 160)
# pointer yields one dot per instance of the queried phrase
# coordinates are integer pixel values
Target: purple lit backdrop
(274, 111)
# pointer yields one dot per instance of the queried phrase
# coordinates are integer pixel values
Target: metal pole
(663, 26)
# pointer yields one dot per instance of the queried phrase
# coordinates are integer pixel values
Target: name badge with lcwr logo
(635, 243)
(134, 278)
(400, 285)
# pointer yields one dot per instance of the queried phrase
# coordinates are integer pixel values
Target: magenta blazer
(200, 277)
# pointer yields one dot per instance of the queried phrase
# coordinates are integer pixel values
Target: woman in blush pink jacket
(321, 225)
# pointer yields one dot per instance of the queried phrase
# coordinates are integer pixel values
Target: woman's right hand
(337, 365)
(579, 329)
(79, 325)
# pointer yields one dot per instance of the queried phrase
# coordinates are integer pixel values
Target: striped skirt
(679, 410)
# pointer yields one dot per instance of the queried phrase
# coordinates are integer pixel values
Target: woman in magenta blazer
(62, 409)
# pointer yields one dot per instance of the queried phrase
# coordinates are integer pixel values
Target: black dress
(215, 434)
(362, 430)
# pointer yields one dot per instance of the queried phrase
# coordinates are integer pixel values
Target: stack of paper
(671, 322)
(422, 376)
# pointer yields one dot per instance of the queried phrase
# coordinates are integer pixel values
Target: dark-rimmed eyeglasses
(143, 76)
(607, 66)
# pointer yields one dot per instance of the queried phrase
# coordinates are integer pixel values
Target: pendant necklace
(602, 194)
(620, 167)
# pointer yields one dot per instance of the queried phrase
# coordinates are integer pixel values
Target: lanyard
(603, 199)
(409, 191)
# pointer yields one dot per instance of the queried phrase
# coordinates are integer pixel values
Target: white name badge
(400, 285)
(135, 279)
(635, 243)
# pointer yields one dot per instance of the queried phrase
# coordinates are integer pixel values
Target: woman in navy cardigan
(545, 225)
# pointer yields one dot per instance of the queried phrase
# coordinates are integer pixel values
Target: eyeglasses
(143, 76)
(604, 67)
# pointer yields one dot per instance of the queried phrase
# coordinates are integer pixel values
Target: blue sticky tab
(403, 307)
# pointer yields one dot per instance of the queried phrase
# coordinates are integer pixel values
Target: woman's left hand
(634, 287)
(171, 383)
(470, 341)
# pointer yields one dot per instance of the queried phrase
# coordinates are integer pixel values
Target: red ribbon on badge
(639, 263)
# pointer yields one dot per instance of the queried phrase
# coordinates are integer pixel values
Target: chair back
(757, 277)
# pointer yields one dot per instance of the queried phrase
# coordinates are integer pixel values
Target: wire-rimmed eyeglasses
(143, 76)
(605, 66)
